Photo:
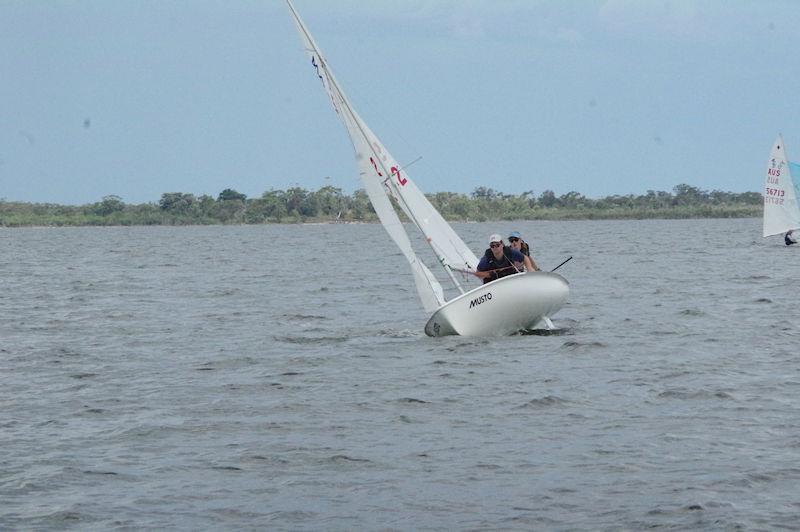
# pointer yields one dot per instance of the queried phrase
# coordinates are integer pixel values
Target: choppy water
(277, 377)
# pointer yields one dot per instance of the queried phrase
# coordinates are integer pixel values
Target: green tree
(548, 199)
(572, 200)
(270, 207)
(689, 195)
(205, 206)
(484, 193)
(231, 195)
(176, 202)
(109, 205)
(361, 207)
(329, 201)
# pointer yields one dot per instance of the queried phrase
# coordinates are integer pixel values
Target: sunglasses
(513, 239)
(495, 244)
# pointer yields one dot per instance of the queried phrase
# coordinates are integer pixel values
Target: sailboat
(781, 211)
(501, 307)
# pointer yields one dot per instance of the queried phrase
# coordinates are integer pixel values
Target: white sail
(446, 244)
(429, 290)
(372, 157)
(381, 174)
(781, 212)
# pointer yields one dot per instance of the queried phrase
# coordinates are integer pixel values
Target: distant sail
(781, 211)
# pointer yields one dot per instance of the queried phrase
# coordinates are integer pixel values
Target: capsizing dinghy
(501, 307)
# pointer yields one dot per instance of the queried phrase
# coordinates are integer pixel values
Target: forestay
(781, 212)
(383, 177)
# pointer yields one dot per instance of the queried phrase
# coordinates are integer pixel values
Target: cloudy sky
(138, 98)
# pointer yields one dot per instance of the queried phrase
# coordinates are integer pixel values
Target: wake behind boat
(501, 307)
(781, 211)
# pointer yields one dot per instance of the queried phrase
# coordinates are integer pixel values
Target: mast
(377, 158)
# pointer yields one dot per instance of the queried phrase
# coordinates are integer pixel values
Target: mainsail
(781, 212)
(384, 178)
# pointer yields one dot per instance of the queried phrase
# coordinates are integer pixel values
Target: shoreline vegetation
(329, 204)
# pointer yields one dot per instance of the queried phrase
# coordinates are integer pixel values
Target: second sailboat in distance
(781, 211)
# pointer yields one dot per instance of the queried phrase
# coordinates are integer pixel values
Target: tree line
(328, 204)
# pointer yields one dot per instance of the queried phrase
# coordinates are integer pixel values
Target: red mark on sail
(375, 166)
(401, 180)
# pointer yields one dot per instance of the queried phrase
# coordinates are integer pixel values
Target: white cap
(495, 238)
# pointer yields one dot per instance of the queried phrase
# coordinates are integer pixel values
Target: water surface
(278, 377)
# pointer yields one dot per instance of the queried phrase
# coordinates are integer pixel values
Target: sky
(139, 98)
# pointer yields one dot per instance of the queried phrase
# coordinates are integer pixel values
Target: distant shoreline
(330, 205)
(736, 214)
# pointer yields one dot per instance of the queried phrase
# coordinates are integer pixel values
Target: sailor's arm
(530, 265)
(483, 269)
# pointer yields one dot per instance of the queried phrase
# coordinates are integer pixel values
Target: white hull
(501, 307)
